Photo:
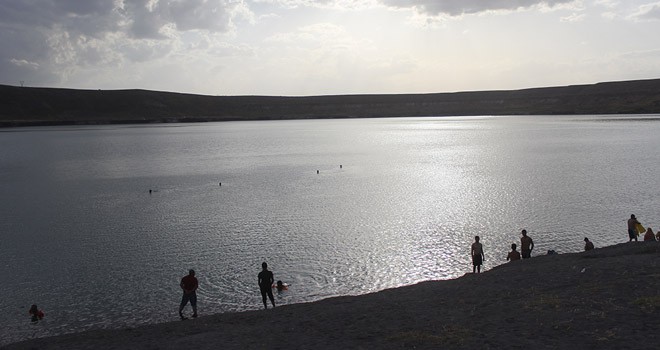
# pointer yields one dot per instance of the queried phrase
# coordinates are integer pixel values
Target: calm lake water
(82, 237)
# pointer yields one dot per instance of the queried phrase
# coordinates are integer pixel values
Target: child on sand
(587, 244)
(649, 235)
(513, 254)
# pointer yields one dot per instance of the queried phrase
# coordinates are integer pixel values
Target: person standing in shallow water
(632, 228)
(526, 245)
(189, 285)
(477, 253)
(265, 280)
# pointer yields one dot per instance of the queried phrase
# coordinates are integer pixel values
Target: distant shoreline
(28, 106)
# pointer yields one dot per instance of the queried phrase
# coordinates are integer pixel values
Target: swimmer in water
(35, 313)
(281, 286)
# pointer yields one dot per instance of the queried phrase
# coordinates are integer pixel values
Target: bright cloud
(462, 7)
(647, 12)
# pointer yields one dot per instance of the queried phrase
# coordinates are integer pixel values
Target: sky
(326, 47)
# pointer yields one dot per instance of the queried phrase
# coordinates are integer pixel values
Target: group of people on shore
(265, 281)
(478, 257)
(527, 244)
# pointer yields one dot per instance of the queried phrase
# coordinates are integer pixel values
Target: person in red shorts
(189, 285)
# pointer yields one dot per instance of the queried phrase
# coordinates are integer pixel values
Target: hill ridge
(25, 106)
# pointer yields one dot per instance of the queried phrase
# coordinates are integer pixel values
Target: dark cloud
(43, 38)
(461, 7)
(91, 17)
(84, 17)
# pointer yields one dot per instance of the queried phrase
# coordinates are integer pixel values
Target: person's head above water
(191, 272)
(264, 265)
(279, 283)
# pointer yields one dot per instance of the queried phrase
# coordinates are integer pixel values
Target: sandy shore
(608, 298)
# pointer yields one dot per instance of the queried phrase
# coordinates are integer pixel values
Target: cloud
(648, 12)
(653, 54)
(24, 63)
(60, 36)
(574, 17)
(464, 7)
(147, 19)
(325, 4)
(607, 3)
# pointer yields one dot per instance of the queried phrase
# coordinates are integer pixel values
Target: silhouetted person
(265, 280)
(513, 254)
(587, 244)
(526, 245)
(632, 228)
(477, 253)
(35, 313)
(649, 235)
(189, 285)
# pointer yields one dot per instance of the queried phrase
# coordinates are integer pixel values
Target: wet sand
(608, 298)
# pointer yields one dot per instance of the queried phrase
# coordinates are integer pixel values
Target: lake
(336, 207)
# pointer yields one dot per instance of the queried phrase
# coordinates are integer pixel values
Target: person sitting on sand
(265, 280)
(649, 235)
(280, 286)
(513, 254)
(35, 313)
(587, 244)
(632, 228)
(526, 245)
(477, 253)
(189, 285)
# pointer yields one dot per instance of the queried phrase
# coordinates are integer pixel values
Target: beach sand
(608, 298)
